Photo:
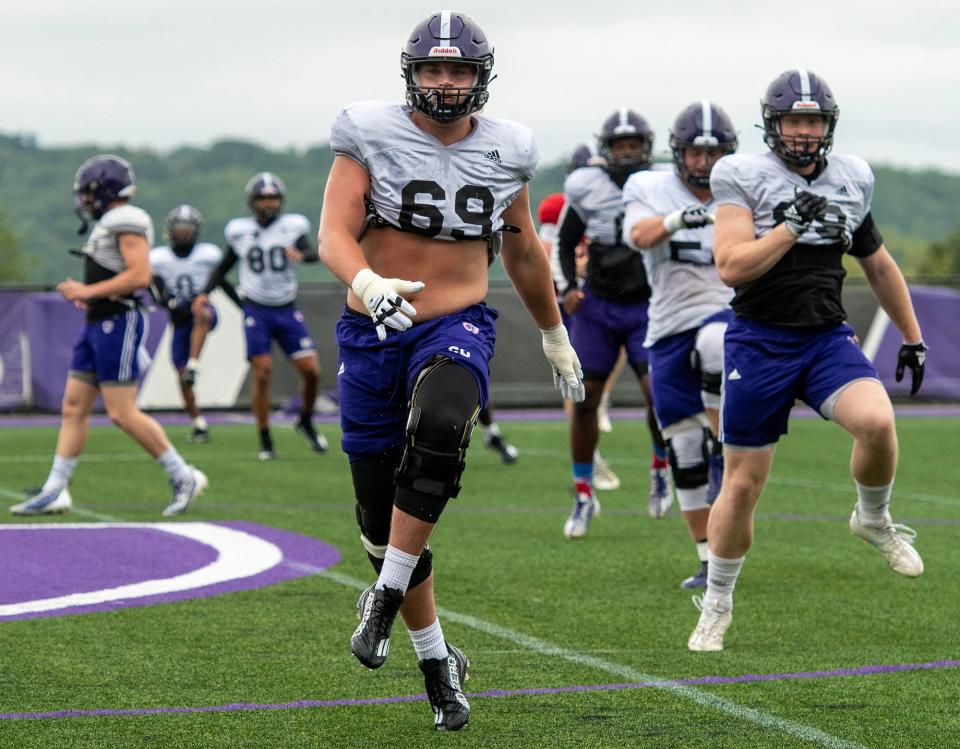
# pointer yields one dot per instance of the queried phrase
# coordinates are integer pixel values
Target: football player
(669, 217)
(180, 269)
(426, 192)
(269, 243)
(548, 214)
(108, 358)
(785, 219)
(610, 311)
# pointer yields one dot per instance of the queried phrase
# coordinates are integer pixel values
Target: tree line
(915, 209)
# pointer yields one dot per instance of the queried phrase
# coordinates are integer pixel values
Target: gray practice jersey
(101, 252)
(803, 288)
(419, 185)
(598, 201)
(685, 286)
(266, 274)
(185, 277)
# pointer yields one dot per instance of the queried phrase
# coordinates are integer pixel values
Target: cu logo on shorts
(107, 326)
(457, 350)
(471, 328)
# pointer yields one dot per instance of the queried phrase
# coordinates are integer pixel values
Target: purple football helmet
(182, 229)
(625, 123)
(586, 154)
(265, 185)
(447, 36)
(702, 124)
(99, 182)
(799, 91)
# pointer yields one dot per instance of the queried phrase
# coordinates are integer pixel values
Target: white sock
(703, 551)
(60, 473)
(429, 642)
(200, 423)
(493, 430)
(175, 466)
(873, 503)
(722, 576)
(193, 363)
(397, 569)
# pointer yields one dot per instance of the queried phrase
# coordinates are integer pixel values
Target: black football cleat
(507, 452)
(377, 608)
(443, 678)
(318, 443)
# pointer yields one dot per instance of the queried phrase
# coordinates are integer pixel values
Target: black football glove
(805, 207)
(914, 357)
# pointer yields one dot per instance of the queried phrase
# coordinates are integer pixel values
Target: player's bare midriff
(455, 273)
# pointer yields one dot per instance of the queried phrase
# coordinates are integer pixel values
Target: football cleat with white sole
(698, 580)
(604, 478)
(585, 508)
(894, 541)
(199, 436)
(713, 625)
(318, 443)
(267, 454)
(52, 502)
(184, 492)
(443, 678)
(661, 493)
(377, 608)
(507, 452)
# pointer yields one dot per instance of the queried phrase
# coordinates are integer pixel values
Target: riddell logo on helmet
(806, 105)
(445, 52)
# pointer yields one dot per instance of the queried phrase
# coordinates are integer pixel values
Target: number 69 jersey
(419, 185)
(803, 288)
(266, 274)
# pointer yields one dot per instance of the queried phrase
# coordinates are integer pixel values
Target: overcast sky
(168, 72)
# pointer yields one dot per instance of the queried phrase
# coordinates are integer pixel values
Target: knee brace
(444, 406)
(688, 452)
(373, 485)
(708, 360)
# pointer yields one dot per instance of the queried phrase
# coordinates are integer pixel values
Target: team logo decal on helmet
(182, 228)
(100, 181)
(447, 36)
(702, 124)
(265, 185)
(799, 91)
(622, 124)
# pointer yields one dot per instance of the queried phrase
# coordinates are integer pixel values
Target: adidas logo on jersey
(734, 375)
(842, 190)
(493, 155)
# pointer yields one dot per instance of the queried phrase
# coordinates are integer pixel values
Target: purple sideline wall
(938, 312)
(50, 326)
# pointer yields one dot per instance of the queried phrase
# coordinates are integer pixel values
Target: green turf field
(531, 609)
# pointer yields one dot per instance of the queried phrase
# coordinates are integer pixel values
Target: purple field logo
(56, 569)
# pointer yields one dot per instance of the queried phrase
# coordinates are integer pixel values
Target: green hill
(914, 208)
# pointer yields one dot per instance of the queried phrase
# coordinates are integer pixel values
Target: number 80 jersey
(418, 184)
(266, 274)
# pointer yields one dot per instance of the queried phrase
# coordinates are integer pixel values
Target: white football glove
(567, 374)
(383, 299)
(693, 216)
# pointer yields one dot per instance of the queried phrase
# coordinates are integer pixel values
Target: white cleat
(604, 479)
(45, 503)
(585, 508)
(713, 625)
(895, 542)
(661, 493)
(185, 492)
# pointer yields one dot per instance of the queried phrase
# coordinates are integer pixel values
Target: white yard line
(700, 697)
